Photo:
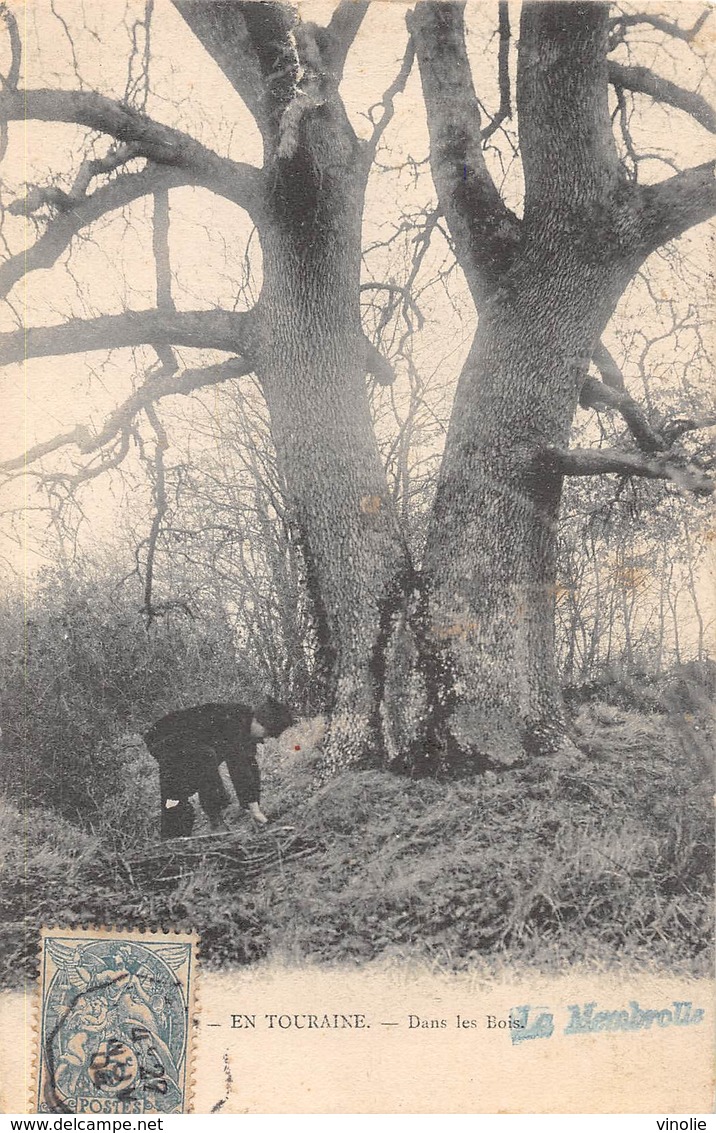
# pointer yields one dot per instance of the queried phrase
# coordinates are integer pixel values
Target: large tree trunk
(313, 371)
(490, 563)
(311, 355)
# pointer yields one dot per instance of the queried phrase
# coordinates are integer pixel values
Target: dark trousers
(245, 776)
(177, 821)
(183, 773)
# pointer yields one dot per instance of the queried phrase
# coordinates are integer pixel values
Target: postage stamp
(115, 1021)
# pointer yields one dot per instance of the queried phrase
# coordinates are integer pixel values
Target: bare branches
(595, 394)
(117, 156)
(388, 100)
(503, 72)
(650, 438)
(62, 227)
(237, 181)
(39, 196)
(167, 386)
(121, 419)
(612, 393)
(218, 330)
(676, 428)
(654, 440)
(643, 81)
(619, 24)
(598, 461)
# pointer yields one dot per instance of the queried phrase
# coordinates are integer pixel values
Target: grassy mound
(604, 858)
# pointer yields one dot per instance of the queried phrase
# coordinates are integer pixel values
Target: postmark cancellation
(114, 1027)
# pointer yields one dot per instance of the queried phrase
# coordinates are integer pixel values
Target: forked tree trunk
(456, 667)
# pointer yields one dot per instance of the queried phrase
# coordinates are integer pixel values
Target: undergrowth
(603, 859)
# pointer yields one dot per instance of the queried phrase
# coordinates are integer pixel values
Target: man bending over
(189, 746)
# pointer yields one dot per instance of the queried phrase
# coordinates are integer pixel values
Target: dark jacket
(190, 744)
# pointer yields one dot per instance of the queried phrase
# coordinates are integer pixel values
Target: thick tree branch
(13, 75)
(673, 206)
(222, 30)
(608, 368)
(388, 101)
(237, 181)
(597, 462)
(111, 457)
(216, 330)
(568, 152)
(620, 23)
(78, 436)
(678, 426)
(643, 81)
(11, 79)
(484, 230)
(83, 212)
(342, 30)
(595, 395)
(611, 393)
(119, 421)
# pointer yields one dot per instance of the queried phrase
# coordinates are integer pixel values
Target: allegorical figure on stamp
(114, 1026)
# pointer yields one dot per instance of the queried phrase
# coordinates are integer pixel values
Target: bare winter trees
(445, 659)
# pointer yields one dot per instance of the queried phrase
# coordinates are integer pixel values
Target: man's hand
(257, 814)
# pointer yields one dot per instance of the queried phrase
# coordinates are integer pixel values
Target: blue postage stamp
(115, 1022)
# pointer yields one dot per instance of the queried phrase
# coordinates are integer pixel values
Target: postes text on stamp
(114, 1025)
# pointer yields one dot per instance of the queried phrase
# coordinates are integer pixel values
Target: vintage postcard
(357, 615)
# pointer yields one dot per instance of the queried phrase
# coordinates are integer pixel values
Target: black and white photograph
(358, 554)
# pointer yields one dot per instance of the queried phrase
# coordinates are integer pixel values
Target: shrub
(80, 671)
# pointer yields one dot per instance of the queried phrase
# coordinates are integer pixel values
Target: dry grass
(604, 860)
